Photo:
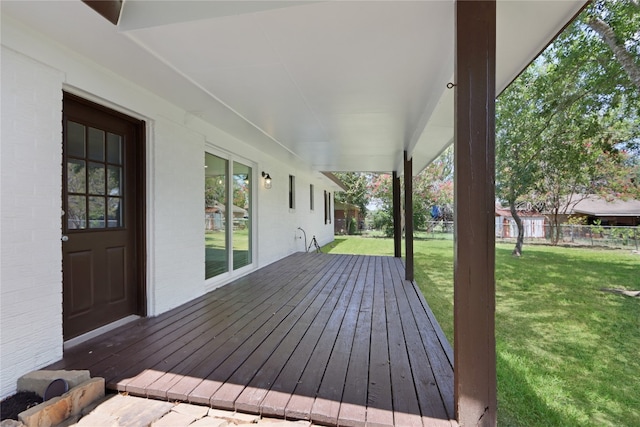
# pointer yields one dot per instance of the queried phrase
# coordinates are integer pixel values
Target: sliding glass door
(228, 215)
(241, 215)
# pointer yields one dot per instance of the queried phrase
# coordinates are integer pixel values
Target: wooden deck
(337, 339)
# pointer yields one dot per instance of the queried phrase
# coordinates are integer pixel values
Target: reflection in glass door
(241, 215)
(215, 224)
(228, 216)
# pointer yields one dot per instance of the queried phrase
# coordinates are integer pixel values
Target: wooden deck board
(405, 400)
(379, 400)
(302, 400)
(277, 397)
(326, 407)
(336, 339)
(353, 411)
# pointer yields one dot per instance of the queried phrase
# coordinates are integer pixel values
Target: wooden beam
(109, 9)
(474, 277)
(397, 220)
(408, 217)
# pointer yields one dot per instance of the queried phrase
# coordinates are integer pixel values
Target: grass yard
(568, 354)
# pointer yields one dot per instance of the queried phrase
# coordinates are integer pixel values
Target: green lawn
(568, 354)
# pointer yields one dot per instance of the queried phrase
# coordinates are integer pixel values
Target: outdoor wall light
(267, 179)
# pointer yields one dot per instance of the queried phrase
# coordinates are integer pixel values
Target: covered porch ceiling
(332, 85)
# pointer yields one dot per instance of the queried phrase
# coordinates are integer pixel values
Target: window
(216, 232)
(228, 215)
(292, 192)
(327, 207)
(311, 196)
(94, 179)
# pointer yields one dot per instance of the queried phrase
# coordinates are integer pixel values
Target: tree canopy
(569, 125)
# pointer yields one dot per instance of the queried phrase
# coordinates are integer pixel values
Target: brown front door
(102, 220)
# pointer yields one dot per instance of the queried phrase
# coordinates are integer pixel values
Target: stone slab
(85, 394)
(129, 411)
(174, 419)
(234, 417)
(49, 413)
(210, 422)
(98, 420)
(196, 411)
(38, 381)
(282, 423)
(141, 412)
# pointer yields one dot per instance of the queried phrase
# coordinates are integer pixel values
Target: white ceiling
(339, 85)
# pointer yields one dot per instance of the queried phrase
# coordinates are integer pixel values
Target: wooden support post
(408, 217)
(109, 9)
(397, 220)
(474, 277)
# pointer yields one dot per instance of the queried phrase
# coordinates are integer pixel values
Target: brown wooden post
(474, 278)
(408, 217)
(397, 220)
(109, 9)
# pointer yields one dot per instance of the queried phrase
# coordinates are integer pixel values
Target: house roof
(340, 206)
(598, 206)
(332, 85)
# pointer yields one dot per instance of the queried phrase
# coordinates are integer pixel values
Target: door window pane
(96, 144)
(114, 212)
(76, 212)
(75, 139)
(114, 148)
(96, 212)
(241, 215)
(76, 178)
(96, 178)
(114, 180)
(215, 216)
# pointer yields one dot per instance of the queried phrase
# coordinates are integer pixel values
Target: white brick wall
(30, 206)
(178, 210)
(279, 235)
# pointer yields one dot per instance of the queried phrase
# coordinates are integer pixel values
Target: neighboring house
(532, 222)
(616, 212)
(340, 215)
(119, 122)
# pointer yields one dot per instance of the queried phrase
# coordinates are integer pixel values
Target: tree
(357, 194)
(617, 23)
(561, 124)
(431, 187)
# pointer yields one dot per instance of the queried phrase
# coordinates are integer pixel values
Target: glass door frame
(231, 158)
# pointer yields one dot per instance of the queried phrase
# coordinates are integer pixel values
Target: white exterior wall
(533, 227)
(34, 74)
(279, 234)
(30, 207)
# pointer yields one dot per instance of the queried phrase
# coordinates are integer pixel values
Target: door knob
(64, 238)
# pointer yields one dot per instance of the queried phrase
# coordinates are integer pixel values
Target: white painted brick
(30, 161)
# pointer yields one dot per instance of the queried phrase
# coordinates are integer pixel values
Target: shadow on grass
(567, 352)
(519, 404)
(575, 344)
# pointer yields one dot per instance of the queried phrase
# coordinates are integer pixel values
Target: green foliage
(352, 227)
(568, 125)
(357, 189)
(383, 220)
(431, 187)
(577, 220)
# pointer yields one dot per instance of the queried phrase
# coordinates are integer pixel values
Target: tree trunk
(622, 55)
(555, 228)
(517, 251)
